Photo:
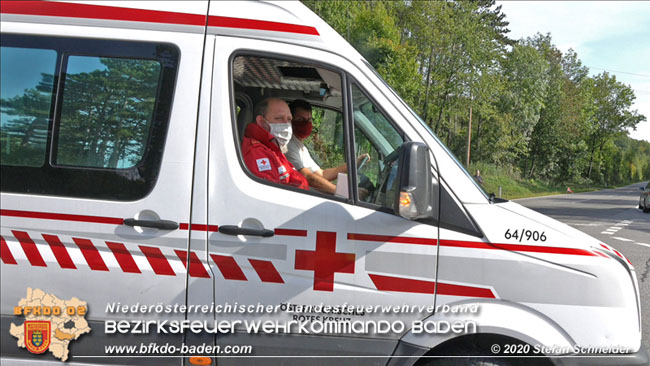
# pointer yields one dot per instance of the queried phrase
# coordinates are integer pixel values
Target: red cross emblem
(325, 261)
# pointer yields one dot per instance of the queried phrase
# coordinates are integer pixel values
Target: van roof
(285, 21)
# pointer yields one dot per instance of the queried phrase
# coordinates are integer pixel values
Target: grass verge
(513, 186)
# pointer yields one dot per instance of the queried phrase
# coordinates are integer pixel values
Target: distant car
(644, 200)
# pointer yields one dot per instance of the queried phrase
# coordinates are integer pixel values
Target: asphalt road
(613, 216)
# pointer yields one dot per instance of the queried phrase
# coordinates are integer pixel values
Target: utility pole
(469, 136)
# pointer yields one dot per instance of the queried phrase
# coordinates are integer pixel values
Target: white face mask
(282, 132)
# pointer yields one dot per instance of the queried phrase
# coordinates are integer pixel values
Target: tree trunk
(449, 130)
(477, 150)
(425, 107)
(442, 107)
(532, 168)
(422, 60)
(591, 159)
(444, 99)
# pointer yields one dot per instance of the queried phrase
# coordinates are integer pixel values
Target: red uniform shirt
(264, 158)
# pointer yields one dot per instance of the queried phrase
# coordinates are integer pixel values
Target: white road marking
(580, 201)
(613, 229)
(644, 244)
(621, 239)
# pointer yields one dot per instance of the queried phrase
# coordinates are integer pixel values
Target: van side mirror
(415, 198)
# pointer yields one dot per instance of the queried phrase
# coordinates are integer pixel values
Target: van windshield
(419, 119)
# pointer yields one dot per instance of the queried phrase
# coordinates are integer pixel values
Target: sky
(612, 36)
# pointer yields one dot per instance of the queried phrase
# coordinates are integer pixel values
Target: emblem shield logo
(37, 336)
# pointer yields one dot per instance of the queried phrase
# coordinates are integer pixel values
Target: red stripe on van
(266, 270)
(517, 247)
(227, 22)
(392, 239)
(123, 257)
(91, 219)
(196, 266)
(5, 253)
(157, 260)
(466, 244)
(59, 251)
(622, 257)
(460, 290)
(290, 232)
(64, 217)
(228, 267)
(30, 249)
(543, 249)
(600, 254)
(199, 227)
(397, 284)
(469, 244)
(93, 258)
(72, 10)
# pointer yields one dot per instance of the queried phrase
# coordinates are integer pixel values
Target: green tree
(533, 107)
(612, 115)
(104, 121)
(106, 114)
(24, 136)
(526, 72)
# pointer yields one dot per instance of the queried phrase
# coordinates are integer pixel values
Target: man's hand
(361, 157)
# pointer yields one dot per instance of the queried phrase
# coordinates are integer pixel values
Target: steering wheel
(363, 163)
(390, 165)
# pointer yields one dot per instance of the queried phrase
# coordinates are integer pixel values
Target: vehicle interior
(256, 78)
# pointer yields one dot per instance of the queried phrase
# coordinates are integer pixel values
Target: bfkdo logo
(37, 336)
(50, 323)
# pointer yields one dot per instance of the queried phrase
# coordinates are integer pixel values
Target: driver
(300, 157)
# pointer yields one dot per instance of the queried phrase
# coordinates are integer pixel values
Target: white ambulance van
(124, 190)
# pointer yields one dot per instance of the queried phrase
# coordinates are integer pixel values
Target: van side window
(84, 117)
(26, 102)
(309, 96)
(106, 111)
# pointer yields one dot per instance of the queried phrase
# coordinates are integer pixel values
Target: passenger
(300, 157)
(266, 139)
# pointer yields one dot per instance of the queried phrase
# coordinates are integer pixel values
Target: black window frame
(352, 139)
(119, 184)
(470, 227)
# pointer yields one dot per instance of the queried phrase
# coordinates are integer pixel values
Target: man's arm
(318, 181)
(333, 173)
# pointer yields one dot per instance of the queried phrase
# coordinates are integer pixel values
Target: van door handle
(236, 230)
(156, 224)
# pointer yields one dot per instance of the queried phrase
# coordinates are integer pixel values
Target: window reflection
(106, 113)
